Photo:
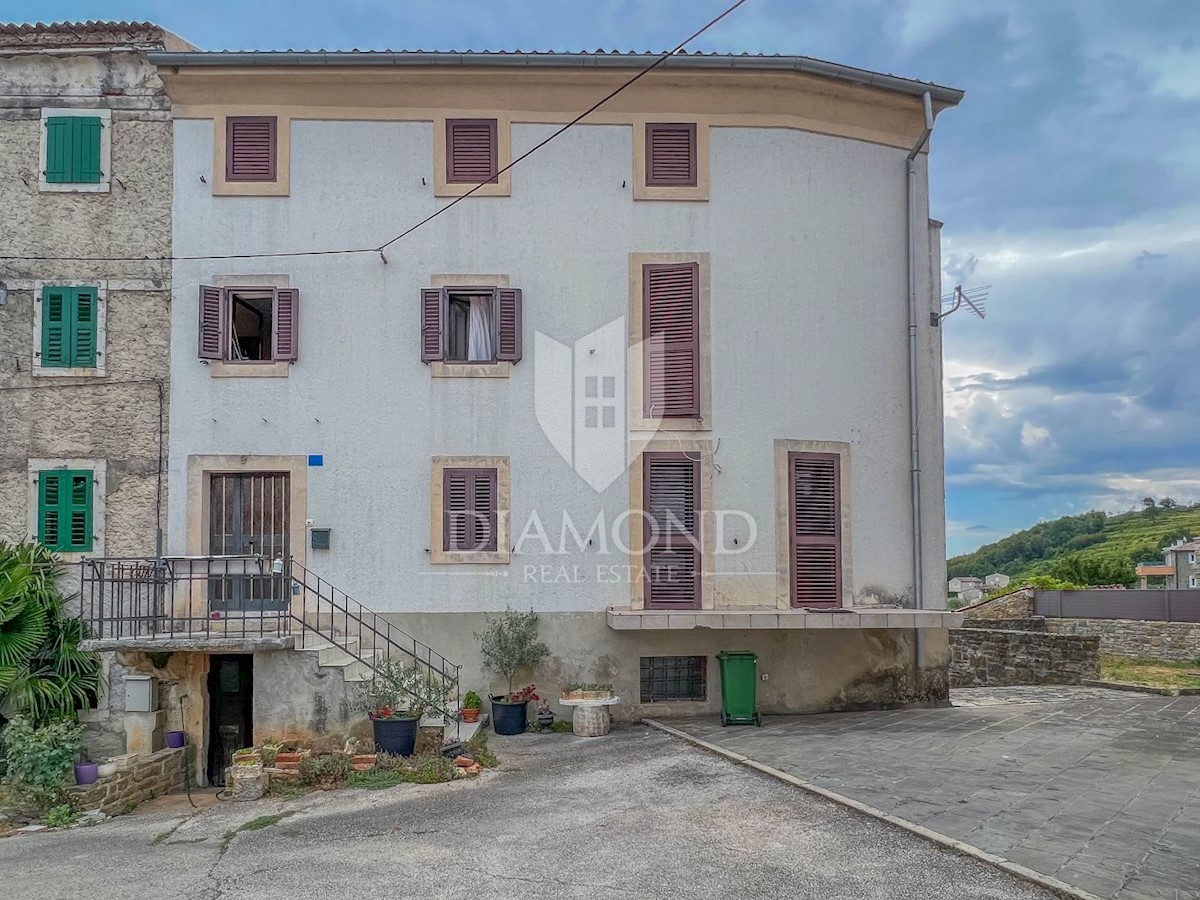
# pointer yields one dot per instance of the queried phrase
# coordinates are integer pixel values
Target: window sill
(40, 371)
(469, 557)
(74, 187)
(690, 192)
(470, 370)
(692, 423)
(221, 369)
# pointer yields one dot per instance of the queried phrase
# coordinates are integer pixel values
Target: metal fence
(1151, 605)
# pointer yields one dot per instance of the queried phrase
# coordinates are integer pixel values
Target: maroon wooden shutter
(671, 345)
(469, 509)
(471, 151)
(671, 155)
(250, 148)
(433, 318)
(816, 530)
(671, 486)
(287, 335)
(508, 325)
(214, 323)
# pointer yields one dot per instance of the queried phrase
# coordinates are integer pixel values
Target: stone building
(85, 171)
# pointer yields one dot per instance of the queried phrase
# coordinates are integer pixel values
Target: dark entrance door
(230, 711)
(248, 514)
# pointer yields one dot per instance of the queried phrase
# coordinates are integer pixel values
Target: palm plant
(43, 673)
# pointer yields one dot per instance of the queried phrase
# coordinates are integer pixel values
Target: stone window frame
(783, 556)
(219, 368)
(99, 470)
(104, 185)
(443, 187)
(503, 552)
(496, 369)
(100, 370)
(644, 191)
(281, 186)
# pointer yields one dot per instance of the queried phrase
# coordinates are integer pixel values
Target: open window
(248, 324)
(470, 325)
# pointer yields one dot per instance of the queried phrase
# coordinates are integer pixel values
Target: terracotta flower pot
(470, 715)
(363, 762)
(289, 760)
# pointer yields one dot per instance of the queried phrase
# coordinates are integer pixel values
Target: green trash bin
(739, 686)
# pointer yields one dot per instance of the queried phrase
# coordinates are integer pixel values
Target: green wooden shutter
(65, 510)
(73, 149)
(51, 495)
(83, 328)
(57, 307)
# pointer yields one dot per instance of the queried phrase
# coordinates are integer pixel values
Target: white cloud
(1033, 436)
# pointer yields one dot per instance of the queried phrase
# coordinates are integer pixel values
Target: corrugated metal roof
(553, 59)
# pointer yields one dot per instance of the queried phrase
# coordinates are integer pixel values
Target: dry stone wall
(1173, 641)
(149, 776)
(988, 657)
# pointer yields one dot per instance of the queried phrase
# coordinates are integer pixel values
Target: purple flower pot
(174, 739)
(86, 772)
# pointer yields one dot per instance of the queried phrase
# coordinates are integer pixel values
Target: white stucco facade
(805, 236)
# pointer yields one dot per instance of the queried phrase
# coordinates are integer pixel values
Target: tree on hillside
(1090, 571)
(1167, 503)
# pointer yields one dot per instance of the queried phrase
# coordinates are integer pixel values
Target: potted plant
(87, 770)
(587, 691)
(397, 696)
(509, 643)
(471, 705)
(545, 715)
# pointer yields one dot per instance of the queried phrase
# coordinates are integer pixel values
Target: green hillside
(1093, 548)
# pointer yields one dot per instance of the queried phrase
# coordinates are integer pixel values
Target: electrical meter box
(141, 693)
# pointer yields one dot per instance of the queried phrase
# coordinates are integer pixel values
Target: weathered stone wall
(149, 776)
(297, 700)
(1174, 641)
(93, 417)
(1034, 623)
(1017, 605)
(982, 657)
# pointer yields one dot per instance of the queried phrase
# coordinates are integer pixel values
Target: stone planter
(289, 760)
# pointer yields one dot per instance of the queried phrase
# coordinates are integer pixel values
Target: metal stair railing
(334, 616)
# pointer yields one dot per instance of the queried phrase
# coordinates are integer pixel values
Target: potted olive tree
(508, 644)
(395, 698)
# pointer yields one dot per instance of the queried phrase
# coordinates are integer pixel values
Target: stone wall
(983, 657)
(148, 777)
(1033, 623)
(1136, 638)
(1017, 605)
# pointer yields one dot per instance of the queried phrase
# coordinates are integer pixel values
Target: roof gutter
(807, 65)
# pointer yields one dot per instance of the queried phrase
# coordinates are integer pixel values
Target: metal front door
(249, 516)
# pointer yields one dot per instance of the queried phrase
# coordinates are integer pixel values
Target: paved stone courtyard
(1098, 788)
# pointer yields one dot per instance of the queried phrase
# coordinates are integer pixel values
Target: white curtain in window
(479, 331)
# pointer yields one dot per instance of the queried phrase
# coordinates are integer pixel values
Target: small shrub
(328, 771)
(478, 747)
(40, 758)
(61, 816)
(286, 790)
(472, 700)
(375, 780)
(431, 770)
(562, 727)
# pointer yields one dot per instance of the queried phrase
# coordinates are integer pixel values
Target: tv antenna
(974, 298)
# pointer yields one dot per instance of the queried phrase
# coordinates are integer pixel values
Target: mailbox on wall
(320, 539)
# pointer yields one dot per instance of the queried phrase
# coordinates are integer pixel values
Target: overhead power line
(406, 232)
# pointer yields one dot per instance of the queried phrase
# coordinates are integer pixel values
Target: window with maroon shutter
(250, 324)
(814, 494)
(469, 505)
(671, 154)
(671, 556)
(250, 148)
(471, 156)
(671, 346)
(471, 324)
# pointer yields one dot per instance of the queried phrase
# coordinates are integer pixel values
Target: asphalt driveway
(1097, 788)
(635, 814)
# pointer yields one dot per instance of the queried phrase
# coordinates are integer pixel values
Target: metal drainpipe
(914, 428)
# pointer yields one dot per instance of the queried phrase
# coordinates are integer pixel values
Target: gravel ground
(636, 814)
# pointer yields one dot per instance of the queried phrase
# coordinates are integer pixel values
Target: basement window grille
(674, 678)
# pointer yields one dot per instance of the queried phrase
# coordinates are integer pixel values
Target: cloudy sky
(1069, 180)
